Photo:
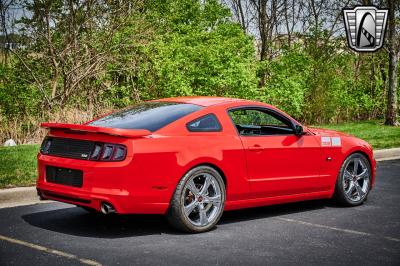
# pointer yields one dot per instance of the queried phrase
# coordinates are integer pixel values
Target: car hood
(328, 132)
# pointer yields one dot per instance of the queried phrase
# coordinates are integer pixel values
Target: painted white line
(392, 238)
(335, 228)
(50, 251)
(325, 226)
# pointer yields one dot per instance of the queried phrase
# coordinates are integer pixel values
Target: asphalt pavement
(306, 233)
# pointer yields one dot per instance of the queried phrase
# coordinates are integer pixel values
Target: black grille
(70, 148)
(64, 176)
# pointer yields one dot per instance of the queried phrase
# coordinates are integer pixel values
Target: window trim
(265, 109)
(204, 130)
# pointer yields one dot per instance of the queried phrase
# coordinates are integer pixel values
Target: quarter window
(260, 122)
(207, 123)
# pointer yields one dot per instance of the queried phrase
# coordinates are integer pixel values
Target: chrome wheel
(356, 179)
(201, 199)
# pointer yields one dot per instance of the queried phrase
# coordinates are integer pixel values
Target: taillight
(44, 148)
(96, 152)
(120, 153)
(108, 152)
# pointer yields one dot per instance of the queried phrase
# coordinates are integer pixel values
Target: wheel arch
(215, 167)
(357, 151)
(363, 153)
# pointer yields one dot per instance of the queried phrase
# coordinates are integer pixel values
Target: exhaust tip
(107, 208)
(40, 194)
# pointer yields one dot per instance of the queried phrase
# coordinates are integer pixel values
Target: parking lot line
(50, 251)
(392, 239)
(335, 228)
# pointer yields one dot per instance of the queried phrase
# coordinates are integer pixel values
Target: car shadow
(275, 211)
(76, 221)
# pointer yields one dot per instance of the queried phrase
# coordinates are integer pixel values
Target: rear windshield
(149, 115)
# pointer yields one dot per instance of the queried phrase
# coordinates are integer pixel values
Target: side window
(260, 122)
(207, 123)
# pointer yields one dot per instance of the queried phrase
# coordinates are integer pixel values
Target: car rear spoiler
(128, 133)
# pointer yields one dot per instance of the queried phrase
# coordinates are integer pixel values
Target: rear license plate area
(64, 176)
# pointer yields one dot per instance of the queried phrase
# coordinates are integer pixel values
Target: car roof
(208, 101)
(204, 100)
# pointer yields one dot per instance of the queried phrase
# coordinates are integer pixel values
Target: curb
(21, 196)
(387, 154)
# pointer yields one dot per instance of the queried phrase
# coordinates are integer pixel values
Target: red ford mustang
(193, 157)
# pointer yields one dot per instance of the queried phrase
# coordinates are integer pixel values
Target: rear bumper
(120, 200)
(111, 182)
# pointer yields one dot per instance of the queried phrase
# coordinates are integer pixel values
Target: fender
(367, 151)
(235, 170)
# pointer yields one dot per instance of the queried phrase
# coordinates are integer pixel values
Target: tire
(354, 180)
(198, 201)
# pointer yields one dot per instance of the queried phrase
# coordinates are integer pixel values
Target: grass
(18, 165)
(374, 132)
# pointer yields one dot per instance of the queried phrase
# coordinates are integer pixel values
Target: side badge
(336, 142)
(331, 142)
(326, 141)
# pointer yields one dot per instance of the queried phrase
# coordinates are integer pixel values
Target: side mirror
(298, 130)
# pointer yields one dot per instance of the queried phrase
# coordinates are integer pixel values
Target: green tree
(199, 51)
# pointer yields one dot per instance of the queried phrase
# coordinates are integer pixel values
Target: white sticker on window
(326, 141)
(336, 141)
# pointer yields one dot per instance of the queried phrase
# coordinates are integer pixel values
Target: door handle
(256, 148)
